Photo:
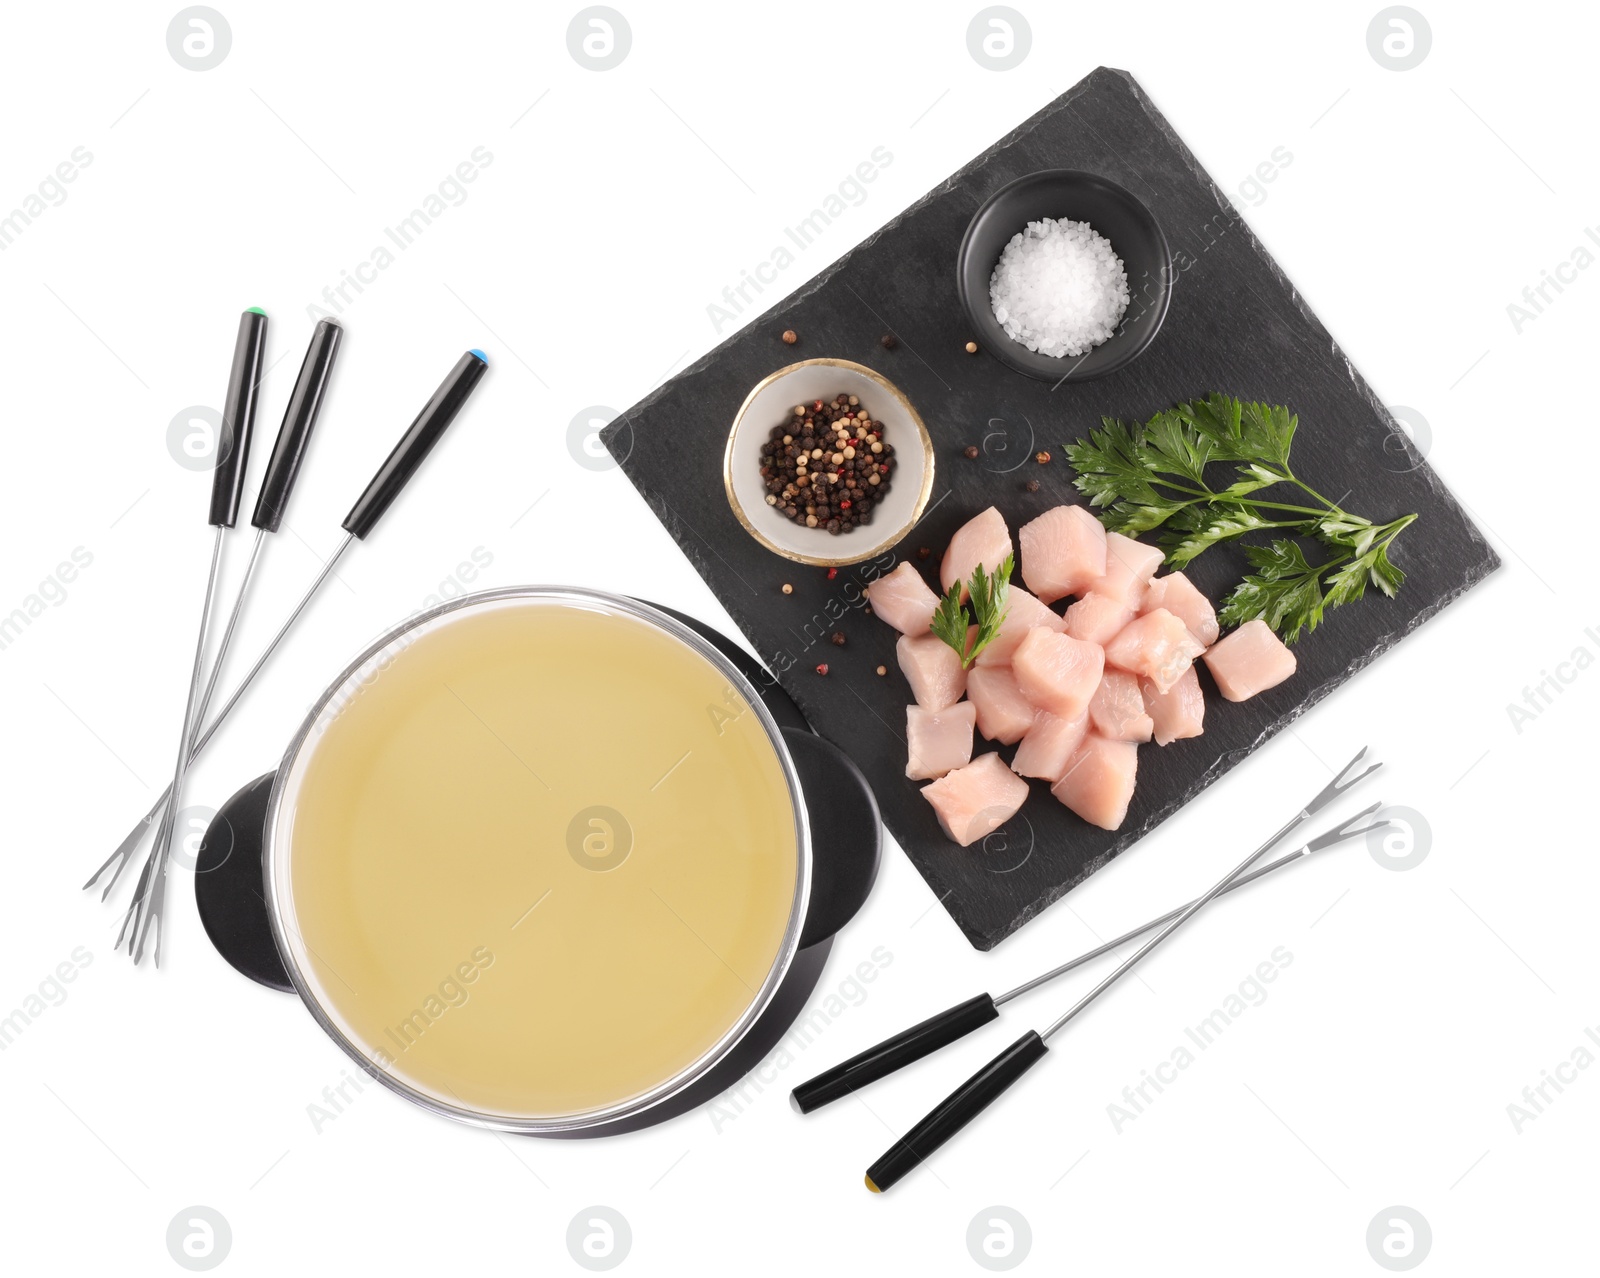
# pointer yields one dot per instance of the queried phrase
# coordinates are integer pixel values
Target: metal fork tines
(1349, 830)
(1341, 783)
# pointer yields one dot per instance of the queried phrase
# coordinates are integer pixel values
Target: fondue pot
(546, 860)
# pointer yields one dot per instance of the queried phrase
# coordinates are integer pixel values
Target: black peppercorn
(819, 472)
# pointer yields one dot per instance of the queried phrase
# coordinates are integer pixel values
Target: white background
(618, 205)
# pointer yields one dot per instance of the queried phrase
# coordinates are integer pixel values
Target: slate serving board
(1236, 324)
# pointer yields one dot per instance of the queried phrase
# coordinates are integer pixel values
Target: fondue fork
(305, 405)
(978, 1092)
(379, 494)
(943, 1028)
(227, 485)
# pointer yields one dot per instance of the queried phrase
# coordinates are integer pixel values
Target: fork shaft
(125, 850)
(1217, 889)
(142, 903)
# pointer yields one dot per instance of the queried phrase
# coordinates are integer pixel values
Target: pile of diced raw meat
(1076, 693)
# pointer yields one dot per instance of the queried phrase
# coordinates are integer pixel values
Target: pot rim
(276, 848)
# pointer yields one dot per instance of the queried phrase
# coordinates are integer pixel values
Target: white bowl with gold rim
(771, 403)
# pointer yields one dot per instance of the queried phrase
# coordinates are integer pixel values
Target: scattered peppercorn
(883, 670)
(1032, 485)
(972, 348)
(888, 341)
(970, 452)
(790, 337)
(823, 668)
(1042, 457)
(923, 552)
(838, 638)
(788, 589)
(828, 465)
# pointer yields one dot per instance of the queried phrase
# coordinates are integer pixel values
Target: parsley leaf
(1203, 527)
(1177, 450)
(950, 620)
(989, 596)
(1111, 465)
(1285, 591)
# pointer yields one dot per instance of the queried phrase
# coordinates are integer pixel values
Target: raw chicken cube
(976, 800)
(938, 740)
(1182, 598)
(1177, 713)
(1063, 550)
(1250, 660)
(933, 669)
(1057, 672)
(1004, 714)
(983, 539)
(1049, 746)
(1023, 613)
(1117, 708)
(903, 599)
(1157, 646)
(1098, 618)
(1099, 781)
(1129, 566)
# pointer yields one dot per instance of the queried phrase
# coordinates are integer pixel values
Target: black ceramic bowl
(1081, 197)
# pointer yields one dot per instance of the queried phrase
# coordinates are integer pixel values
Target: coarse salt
(1059, 288)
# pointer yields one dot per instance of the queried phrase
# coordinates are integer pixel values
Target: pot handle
(846, 833)
(228, 887)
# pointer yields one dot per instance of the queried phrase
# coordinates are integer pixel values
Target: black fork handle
(956, 1110)
(882, 1059)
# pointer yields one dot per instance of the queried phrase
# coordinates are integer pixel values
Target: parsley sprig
(989, 598)
(1154, 476)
